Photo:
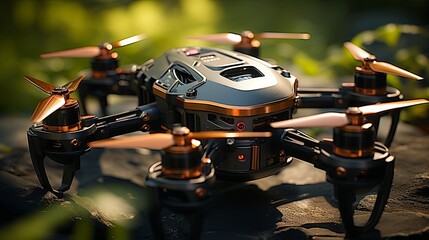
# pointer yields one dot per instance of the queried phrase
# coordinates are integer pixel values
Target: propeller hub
(179, 135)
(106, 46)
(353, 111)
(370, 58)
(355, 116)
(60, 90)
(180, 131)
(248, 35)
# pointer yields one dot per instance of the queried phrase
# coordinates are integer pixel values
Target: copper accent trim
(256, 152)
(182, 173)
(222, 134)
(352, 153)
(70, 102)
(370, 92)
(360, 128)
(236, 111)
(184, 149)
(103, 74)
(159, 91)
(348, 84)
(229, 110)
(63, 129)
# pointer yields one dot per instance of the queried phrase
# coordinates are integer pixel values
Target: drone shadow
(244, 211)
(285, 211)
(233, 211)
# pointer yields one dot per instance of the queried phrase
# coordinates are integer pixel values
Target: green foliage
(29, 28)
(407, 45)
(37, 226)
(34, 27)
(402, 45)
(111, 206)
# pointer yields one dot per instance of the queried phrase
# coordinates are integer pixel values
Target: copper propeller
(58, 97)
(94, 51)
(370, 62)
(248, 37)
(332, 119)
(158, 141)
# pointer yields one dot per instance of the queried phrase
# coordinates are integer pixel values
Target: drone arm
(320, 97)
(299, 145)
(67, 148)
(143, 118)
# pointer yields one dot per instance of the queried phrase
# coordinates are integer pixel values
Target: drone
(228, 115)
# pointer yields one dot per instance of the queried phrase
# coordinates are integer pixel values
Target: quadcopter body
(226, 114)
(211, 89)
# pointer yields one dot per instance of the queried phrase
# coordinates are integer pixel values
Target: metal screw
(341, 171)
(282, 156)
(145, 116)
(353, 110)
(145, 127)
(298, 101)
(200, 192)
(230, 141)
(191, 92)
(75, 142)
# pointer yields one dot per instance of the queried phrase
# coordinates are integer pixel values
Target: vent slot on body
(241, 73)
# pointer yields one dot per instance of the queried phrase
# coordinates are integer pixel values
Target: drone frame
(349, 175)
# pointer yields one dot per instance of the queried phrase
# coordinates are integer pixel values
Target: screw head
(59, 90)
(145, 116)
(341, 171)
(145, 127)
(353, 110)
(75, 142)
(230, 141)
(200, 192)
(191, 92)
(180, 130)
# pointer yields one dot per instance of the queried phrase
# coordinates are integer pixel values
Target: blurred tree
(29, 28)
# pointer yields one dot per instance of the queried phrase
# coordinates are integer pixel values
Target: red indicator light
(241, 126)
(241, 157)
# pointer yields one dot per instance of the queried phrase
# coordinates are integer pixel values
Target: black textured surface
(297, 203)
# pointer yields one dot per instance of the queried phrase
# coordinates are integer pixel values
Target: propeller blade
(155, 141)
(272, 35)
(158, 141)
(318, 120)
(47, 106)
(222, 134)
(45, 87)
(382, 107)
(72, 86)
(128, 41)
(357, 52)
(390, 68)
(361, 55)
(341, 119)
(83, 52)
(230, 38)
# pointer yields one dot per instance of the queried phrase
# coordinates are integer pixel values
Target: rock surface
(108, 200)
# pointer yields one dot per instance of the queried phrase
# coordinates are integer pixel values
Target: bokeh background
(396, 31)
